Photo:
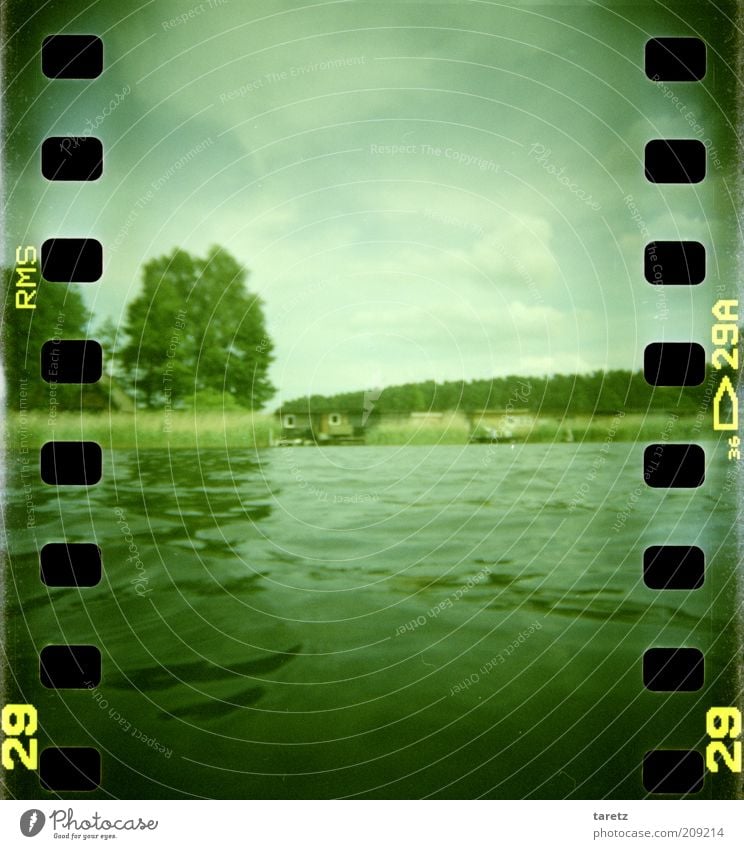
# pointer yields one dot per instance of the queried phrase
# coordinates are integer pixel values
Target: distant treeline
(562, 394)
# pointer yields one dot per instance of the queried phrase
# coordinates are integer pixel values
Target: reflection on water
(311, 622)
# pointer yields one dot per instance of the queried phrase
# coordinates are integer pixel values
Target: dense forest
(564, 394)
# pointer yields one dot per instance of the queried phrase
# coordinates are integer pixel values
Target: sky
(418, 189)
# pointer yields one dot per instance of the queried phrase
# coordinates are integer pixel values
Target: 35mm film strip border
(79, 464)
(679, 669)
(665, 568)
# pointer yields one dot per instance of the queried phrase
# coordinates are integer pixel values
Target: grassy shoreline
(182, 430)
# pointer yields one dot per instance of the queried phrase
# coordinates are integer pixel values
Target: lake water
(452, 621)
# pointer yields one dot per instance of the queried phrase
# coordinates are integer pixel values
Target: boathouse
(333, 426)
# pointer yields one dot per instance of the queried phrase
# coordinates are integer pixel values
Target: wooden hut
(329, 427)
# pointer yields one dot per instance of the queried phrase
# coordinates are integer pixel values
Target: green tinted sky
(269, 128)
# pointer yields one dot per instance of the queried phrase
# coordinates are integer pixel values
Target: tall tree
(194, 329)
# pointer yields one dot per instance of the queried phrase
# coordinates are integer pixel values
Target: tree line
(195, 336)
(598, 392)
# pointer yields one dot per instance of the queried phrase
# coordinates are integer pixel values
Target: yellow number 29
(14, 721)
(723, 722)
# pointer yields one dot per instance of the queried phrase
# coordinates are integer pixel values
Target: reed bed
(241, 429)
